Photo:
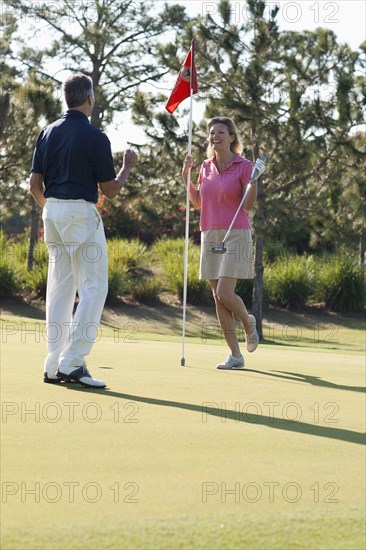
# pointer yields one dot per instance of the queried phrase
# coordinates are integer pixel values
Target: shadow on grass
(310, 318)
(325, 327)
(314, 380)
(158, 315)
(20, 308)
(340, 434)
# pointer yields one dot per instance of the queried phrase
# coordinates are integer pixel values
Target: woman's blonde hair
(236, 145)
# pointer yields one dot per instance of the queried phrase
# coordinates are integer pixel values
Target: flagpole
(188, 182)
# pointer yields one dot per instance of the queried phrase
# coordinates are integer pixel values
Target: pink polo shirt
(221, 193)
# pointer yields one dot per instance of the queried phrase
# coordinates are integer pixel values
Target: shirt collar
(73, 113)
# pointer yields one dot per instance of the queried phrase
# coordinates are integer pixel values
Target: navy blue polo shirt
(73, 157)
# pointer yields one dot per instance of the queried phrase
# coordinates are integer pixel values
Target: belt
(53, 199)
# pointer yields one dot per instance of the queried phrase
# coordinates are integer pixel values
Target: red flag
(183, 84)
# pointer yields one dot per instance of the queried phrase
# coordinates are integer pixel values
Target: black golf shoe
(82, 376)
(49, 380)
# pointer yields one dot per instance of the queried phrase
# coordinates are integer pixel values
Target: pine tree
(114, 42)
(27, 101)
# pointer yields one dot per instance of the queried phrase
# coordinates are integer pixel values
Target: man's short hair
(76, 89)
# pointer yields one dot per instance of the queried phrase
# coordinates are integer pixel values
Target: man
(70, 159)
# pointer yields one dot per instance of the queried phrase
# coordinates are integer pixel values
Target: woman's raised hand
(187, 164)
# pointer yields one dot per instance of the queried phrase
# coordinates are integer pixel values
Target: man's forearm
(36, 188)
(111, 188)
(39, 198)
(123, 175)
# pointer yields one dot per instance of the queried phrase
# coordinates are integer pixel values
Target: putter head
(218, 249)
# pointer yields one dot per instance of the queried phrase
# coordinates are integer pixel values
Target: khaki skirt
(236, 262)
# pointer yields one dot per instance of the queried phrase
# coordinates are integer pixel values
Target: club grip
(255, 171)
(253, 177)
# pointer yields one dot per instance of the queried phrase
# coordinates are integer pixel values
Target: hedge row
(289, 281)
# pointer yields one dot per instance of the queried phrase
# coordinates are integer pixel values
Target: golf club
(255, 175)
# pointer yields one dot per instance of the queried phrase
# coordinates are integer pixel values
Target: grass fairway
(272, 457)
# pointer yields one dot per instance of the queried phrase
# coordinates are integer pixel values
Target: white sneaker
(232, 363)
(252, 338)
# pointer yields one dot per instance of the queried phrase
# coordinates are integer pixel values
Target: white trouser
(78, 260)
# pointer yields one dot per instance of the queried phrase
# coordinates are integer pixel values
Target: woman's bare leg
(225, 291)
(226, 319)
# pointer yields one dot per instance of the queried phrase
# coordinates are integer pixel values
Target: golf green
(168, 457)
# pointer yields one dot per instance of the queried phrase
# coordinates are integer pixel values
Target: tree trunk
(33, 234)
(362, 251)
(259, 223)
(97, 114)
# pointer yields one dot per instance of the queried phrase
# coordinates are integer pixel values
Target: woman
(222, 180)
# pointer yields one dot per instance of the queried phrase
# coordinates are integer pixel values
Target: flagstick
(186, 241)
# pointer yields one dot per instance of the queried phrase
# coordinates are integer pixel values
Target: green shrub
(8, 280)
(170, 254)
(198, 291)
(129, 255)
(244, 288)
(146, 291)
(36, 279)
(18, 252)
(288, 282)
(117, 283)
(273, 251)
(15, 250)
(163, 248)
(40, 255)
(3, 242)
(126, 261)
(11, 280)
(340, 284)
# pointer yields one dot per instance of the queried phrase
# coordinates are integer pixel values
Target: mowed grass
(169, 457)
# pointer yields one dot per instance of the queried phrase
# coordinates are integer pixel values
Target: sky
(346, 18)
